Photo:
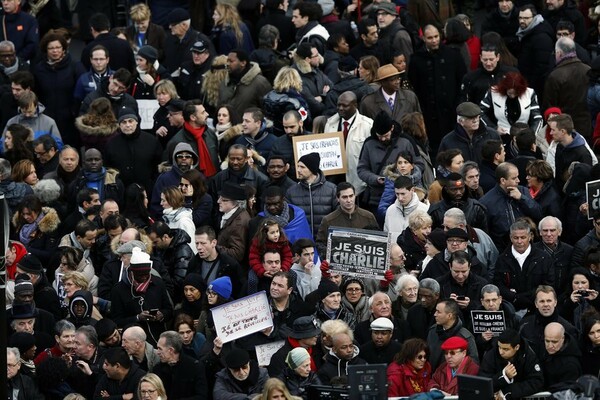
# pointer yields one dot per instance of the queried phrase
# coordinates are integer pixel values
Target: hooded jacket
(335, 366)
(529, 378)
(45, 238)
(40, 124)
(95, 135)
(85, 297)
(178, 255)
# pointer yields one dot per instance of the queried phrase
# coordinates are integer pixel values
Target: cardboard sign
(264, 352)
(592, 190)
(484, 321)
(242, 317)
(147, 109)
(358, 252)
(330, 147)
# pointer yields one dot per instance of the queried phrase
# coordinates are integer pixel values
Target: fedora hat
(386, 71)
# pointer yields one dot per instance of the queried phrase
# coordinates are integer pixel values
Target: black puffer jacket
(317, 200)
(475, 212)
(414, 252)
(296, 384)
(177, 257)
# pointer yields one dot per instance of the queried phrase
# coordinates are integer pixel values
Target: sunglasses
(453, 352)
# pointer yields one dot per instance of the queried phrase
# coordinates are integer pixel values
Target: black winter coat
(534, 59)
(380, 355)
(509, 276)
(532, 329)
(476, 83)
(362, 332)
(125, 100)
(469, 147)
(561, 261)
(582, 245)
(121, 55)
(178, 51)
(228, 266)
(176, 258)
(414, 252)
(505, 27)
(471, 289)
(185, 380)
(529, 378)
(335, 366)
(562, 367)
(475, 212)
(132, 155)
(420, 320)
(296, 384)
(115, 388)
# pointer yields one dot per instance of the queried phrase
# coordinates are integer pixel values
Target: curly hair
(213, 78)
(410, 350)
(100, 113)
(512, 80)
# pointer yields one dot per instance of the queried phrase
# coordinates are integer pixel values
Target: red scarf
(295, 343)
(204, 162)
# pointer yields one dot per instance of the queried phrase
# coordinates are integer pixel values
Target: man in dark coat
(191, 73)
(381, 349)
(567, 86)
(565, 10)
(381, 307)
(436, 74)
(21, 28)
(537, 43)
(422, 313)
(343, 353)
(121, 55)
(513, 367)
(93, 174)
(183, 376)
(550, 230)
(393, 36)
(561, 358)
(19, 386)
(113, 88)
(132, 151)
(504, 20)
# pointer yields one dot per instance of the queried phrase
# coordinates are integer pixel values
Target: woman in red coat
(410, 371)
(456, 362)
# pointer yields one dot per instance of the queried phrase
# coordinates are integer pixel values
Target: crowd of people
(156, 179)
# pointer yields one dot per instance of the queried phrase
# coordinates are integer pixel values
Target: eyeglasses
(183, 156)
(143, 392)
(453, 352)
(184, 185)
(525, 18)
(40, 153)
(211, 293)
(224, 200)
(455, 241)
(354, 290)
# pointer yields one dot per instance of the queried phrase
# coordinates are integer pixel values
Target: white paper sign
(331, 149)
(147, 109)
(242, 317)
(264, 352)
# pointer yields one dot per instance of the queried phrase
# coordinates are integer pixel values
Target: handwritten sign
(330, 147)
(592, 190)
(358, 252)
(264, 352)
(242, 317)
(147, 109)
(60, 289)
(484, 321)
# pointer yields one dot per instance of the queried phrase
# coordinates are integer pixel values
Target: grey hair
(489, 288)
(62, 326)
(14, 351)
(47, 190)
(7, 44)
(173, 339)
(5, 169)
(520, 226)
(431, 284)
(370, 301)
(549, 218)
(467, 166)
(456, 214)
(565, 45)
(267, 36)
(90, 334)
(404, 279)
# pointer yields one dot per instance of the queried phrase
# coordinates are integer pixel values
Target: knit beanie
(351, 279)
(296, 357)
(23, 284)
(149, 53)
(326, 287)
(127, 113)
(312, 162)
(437, 237)
(221, 286)
(140, 261)
(22, 341)
(195, 280)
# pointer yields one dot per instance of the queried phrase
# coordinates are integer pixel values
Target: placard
(358, 252)
(242, 317)
(147, 108)
(592, 190)
(330, 147)
(264, 352)
(484, 321)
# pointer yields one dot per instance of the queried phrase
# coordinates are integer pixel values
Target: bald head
(346, 105)
(134, 342)
(129, 234)
(135, 333)
(92, 161)
(554, 337)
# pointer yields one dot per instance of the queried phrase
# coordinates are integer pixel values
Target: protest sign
(592, 190)
(484, 321)
(331, 149)
(242, 317)
(147, 109)
(358, 252)
(264, 352)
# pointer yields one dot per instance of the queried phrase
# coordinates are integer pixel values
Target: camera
(582, 292)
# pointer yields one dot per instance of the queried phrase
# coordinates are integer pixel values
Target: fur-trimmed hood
(114, 244)
(304, 66)
(96, 130)
(249, 76)
(232, 132)
(48, 224)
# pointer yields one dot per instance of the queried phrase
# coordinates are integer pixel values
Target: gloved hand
(325, 269)
(389, 278)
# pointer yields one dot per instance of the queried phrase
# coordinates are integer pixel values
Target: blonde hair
(155, 381)
(230, 18)
(212, 80)
(335, 326)
(74, 396)
(166, 86)
(419, 219)
(287, 78)
(140, 12)
(78, 279)
(273, 384)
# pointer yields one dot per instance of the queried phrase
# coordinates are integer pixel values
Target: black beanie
(326, 287)
(196, 281)
(22, 341)
(312, 162)
(382, 123)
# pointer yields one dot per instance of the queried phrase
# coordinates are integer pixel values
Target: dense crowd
(157, 179)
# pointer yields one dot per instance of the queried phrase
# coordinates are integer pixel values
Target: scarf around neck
(27, 230)
(284, 218)
(204, 160)
(138, 287)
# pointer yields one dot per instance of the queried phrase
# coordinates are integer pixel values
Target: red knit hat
(455, 342)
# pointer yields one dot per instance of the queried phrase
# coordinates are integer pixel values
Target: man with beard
(454, 195)
(184, 159)
(113, 88)
(436, 73)
(293, 125)
(93, 174)
(132, 151)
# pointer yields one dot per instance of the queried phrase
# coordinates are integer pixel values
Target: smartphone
(154, 311)
(461, 298)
